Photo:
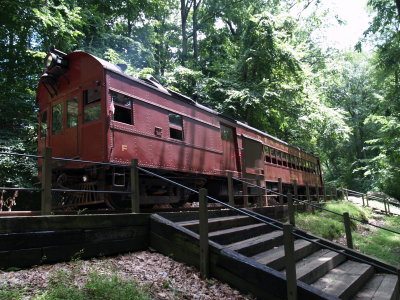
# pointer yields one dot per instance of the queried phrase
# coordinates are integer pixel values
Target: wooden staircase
(250, 256)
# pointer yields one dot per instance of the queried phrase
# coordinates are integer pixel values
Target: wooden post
(331, 192)
(291, 280)
(363, 199)
(259, 192)
(334, 192)
(367, 200)
(203, 232)
(245, 195)
(230, 189)
(324, 191)
(135, 205)
(346, 194)
(280, 190)
(317, 193)
(46, 182)
(308, 196)
(347, 224)
(388, 203)
(295, 189)
(291, 209)
(385, 204)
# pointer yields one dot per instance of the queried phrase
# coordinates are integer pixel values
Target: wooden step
(215, 224)
(258, 244)
(275, 258)
(316, 265)
(345, 280)
(380, 287)
(236, 234)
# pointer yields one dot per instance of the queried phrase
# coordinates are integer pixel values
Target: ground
(164, 277)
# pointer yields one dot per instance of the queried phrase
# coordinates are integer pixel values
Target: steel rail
(20, 154)
(90, 191)
(20, 189)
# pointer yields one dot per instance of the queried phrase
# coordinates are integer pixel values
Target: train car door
(71, 128)
(252, 155)
(229, 148)
(64, 127)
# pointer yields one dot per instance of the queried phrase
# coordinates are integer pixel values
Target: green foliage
(257, 61)
(377, 242)
(64, 285)
(328, 225)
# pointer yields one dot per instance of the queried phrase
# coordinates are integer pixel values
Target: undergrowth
(72, 285)
(330, 226)
(62, 285)
(372, 241)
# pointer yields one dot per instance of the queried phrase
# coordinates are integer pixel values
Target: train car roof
(157, 86)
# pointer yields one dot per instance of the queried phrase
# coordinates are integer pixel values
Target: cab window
(57, 121)
(91, 100)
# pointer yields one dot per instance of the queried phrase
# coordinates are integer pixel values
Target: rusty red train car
(90, 109)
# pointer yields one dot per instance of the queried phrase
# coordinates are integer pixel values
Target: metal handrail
(371, 197)
(268, 221)
(317, 206)
(253, 215)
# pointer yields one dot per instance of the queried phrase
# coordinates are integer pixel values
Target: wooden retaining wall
(226, 265)
(28, 241)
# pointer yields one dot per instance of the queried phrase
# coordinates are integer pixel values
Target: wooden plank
(203, 232)
(14, 241)
(135, 198)
(232, 235)
(67, 252)
(280, 190)
(44, 223)
(254, 245)
(117, 233)
(345, 280)
(290, 262)
(347, 227)
(275, 258)
(46, 181)
(380, 287)
(317, 265)
(230, 189)
(20, 258)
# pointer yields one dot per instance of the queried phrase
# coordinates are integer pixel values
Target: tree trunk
(398, 7)
(196, 5)
(184, 15)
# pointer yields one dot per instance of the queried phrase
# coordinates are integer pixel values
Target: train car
(91, 110)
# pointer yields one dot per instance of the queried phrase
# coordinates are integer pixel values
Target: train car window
(273, 155)
(279, 157)
(72, 112)
(175, 126)
(57, 115)
(290, 161)
(123, 108)
(226, 133)
(267, 151)
(285, 159)
(91, 99)
(92, 95)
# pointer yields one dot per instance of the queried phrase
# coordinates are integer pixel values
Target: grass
(67, 285)
(328, 225)
(379, 243)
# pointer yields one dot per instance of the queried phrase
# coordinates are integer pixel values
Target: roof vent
(122, 67)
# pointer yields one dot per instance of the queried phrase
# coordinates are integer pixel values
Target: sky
(354, 13)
